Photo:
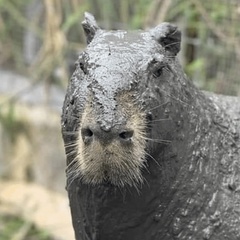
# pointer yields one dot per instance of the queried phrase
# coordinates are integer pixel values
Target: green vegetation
(11, 125)
(15, 228)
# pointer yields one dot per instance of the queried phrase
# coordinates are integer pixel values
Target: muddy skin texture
(149, 156)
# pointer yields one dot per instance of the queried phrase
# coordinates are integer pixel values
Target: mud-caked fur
(133, 120)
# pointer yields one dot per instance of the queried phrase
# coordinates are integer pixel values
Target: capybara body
(149, 156)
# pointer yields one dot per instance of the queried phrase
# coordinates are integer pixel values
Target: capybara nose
(91, 133)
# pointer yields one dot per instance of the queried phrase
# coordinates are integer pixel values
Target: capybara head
(111, 97)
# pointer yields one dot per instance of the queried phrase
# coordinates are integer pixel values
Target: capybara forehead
(116, 48)
(114, 60)
(134, 41)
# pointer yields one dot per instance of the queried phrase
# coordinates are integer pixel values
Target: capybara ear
(90, 26)
(168, 36)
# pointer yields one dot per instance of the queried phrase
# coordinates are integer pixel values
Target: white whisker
(158, 140)
(158, 106)
(152, 158)
(174, 98)
(160, 120)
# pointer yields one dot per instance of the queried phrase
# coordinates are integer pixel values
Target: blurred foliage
(15, 228)
(12, 24)
(43, 38)
(11, 124)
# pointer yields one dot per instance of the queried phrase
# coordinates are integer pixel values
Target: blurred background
(39, 43)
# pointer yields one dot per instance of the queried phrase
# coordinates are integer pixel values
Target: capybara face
(110, 95)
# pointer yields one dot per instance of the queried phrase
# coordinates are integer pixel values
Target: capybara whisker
(70, 133)
(158, 140)
(174, 98)
(160, 120)
(158, 106)
(149, 155)
(70, 144)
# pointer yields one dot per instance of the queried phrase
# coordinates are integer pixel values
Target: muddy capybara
(149, 156)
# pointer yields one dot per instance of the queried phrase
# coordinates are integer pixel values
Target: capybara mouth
(118, 162)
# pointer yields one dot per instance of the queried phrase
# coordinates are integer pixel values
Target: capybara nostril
(96, 133)
(126, 135)
(87, 134)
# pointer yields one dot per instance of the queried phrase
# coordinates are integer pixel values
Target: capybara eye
(82, 67)
(158, 72)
